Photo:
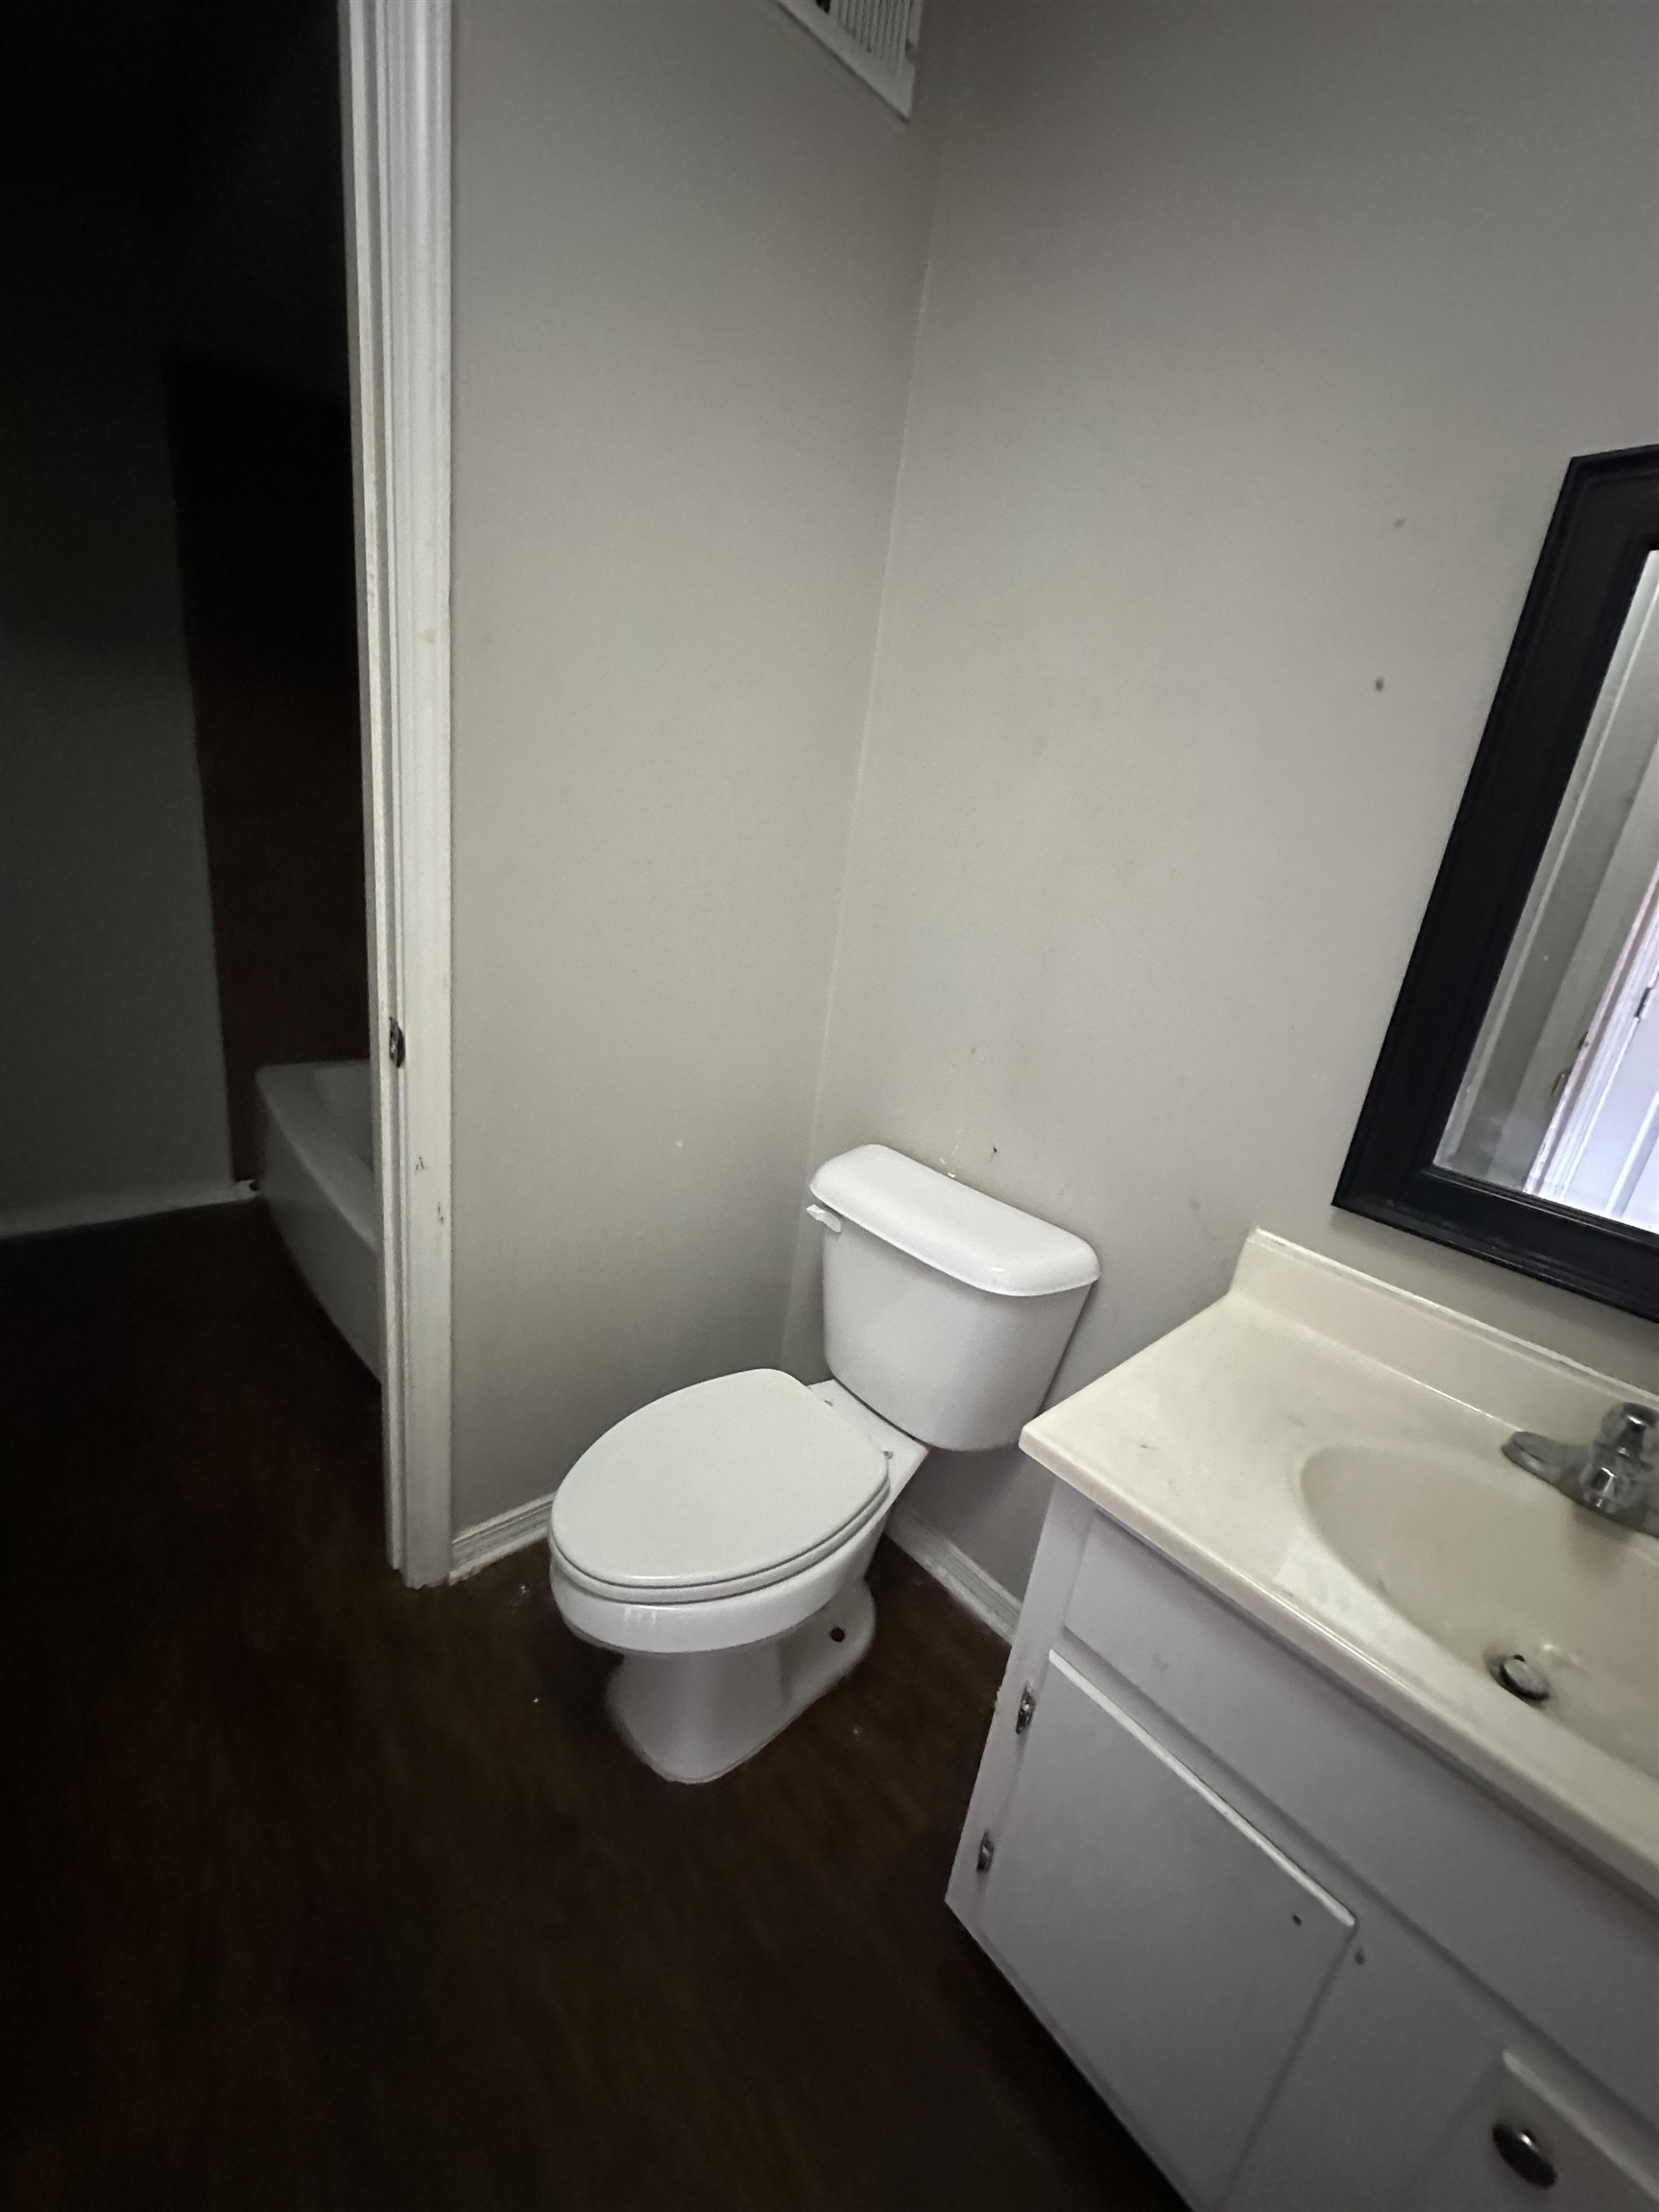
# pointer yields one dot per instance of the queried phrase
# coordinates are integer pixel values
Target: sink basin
(1324, 1452)
(1489, 1561)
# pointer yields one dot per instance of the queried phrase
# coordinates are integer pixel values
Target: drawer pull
(1523, 2155)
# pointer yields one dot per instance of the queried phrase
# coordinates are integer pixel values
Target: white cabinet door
(1580, 2167)
(1174, 1949)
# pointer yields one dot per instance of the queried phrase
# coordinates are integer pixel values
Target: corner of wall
(801, 1350)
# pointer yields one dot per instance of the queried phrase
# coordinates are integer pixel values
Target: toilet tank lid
(977, 1240)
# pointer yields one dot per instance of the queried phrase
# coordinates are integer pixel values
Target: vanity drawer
(1555, 2155)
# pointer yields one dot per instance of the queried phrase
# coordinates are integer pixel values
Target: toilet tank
(944, 1311)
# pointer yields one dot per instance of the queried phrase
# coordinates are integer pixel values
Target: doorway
(225, 600)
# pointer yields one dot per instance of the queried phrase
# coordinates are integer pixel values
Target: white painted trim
(949, 1565)
(487, 1541)
(395, 71)
(118, 1206)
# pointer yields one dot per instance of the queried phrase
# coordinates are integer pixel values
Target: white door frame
(396, 104)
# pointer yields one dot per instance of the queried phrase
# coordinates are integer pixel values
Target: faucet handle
(1631, 1430)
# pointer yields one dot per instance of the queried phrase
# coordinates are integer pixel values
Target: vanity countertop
(1323, 1451)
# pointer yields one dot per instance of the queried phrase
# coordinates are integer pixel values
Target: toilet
(718, 1538)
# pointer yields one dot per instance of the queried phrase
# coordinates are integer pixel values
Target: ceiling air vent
(876, 38)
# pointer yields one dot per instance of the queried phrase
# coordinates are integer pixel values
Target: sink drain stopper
(1517, 1674)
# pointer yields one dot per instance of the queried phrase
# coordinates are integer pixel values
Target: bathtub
(317, 1175)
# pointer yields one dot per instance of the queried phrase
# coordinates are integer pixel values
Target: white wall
(1256, 341)
(688, 256)
(115, 1080)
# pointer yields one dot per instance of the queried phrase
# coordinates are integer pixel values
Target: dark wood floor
(323, 1892)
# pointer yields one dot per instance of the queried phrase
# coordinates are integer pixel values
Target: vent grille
(876, 38)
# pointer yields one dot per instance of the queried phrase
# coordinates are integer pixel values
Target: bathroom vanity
(1332, 1919)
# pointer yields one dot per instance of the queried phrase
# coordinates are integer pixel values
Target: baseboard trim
(118, 1206)
(950, 1566)
(487, 1541)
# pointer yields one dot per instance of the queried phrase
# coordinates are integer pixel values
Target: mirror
(1561, 1093)
(1515, 1107)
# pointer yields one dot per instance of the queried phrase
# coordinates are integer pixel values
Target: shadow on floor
(325, 1892)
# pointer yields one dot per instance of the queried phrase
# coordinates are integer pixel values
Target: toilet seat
(727, 1486)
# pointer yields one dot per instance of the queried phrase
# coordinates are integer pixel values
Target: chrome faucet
(1615, 1475)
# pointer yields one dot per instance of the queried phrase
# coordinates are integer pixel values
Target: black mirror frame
(1605, 524)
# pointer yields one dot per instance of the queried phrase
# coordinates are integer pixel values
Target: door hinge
(987, 1852)
(1023, 1710)
(394, 1043)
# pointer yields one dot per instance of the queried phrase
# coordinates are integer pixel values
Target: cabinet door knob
(1523, 2153)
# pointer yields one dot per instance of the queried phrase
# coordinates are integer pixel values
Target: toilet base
(694, 1716)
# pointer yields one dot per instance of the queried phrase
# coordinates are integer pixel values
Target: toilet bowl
(718, 1661)
(718, 1538)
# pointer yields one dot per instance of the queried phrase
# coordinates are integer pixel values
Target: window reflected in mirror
(1561, 1095)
